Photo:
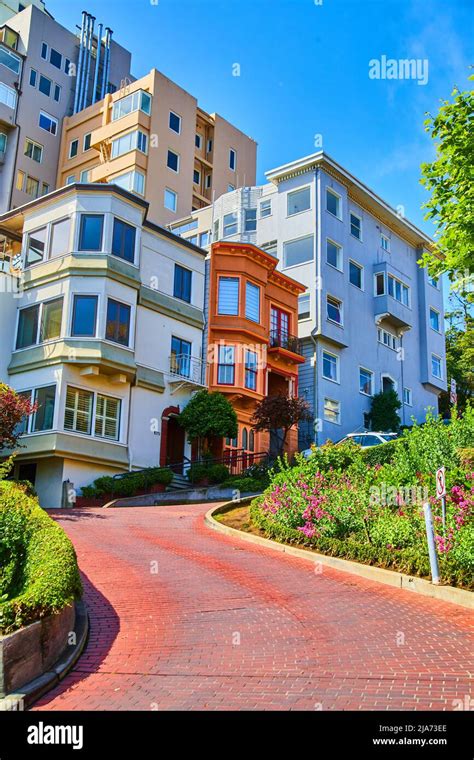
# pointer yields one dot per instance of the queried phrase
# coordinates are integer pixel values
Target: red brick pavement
(185, 618)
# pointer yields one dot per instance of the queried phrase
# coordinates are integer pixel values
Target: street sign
(440, 483)
(453, 396)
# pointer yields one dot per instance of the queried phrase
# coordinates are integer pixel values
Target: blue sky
(304, 72)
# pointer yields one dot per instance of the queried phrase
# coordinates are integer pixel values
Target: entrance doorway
(27, 471)
(175, 441)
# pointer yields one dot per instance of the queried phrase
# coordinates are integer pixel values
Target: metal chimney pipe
(84, 64)
(97, 62)
(107, 70)
(79, 62)
(104, 67)
(89, 58)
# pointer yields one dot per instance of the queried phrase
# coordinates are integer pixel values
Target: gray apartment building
(46, 73)
(371, 317)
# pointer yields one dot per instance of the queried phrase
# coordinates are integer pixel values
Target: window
(379, 284)
(330, 367)
(84, 176)
(33, 77)
(215, 234)
(44, 51)
(78, 411)
(407, 397)
(171, 200)
(35, 247)
(48, 123)
(118, 322)
(180, 361)
(60, 234)
(299, 200)
(70, 179)
(84, 316)
(198, 141)
(175, 122)
(334, 254)
(265, 209)
(172, 162)
(136, 140)
(204, 239)
(356, 226)
(333, 203)
(279, 326)
(33, 150)
(230, 224)
(73, 148)
(7, 95)
(44, 188)
(209, 146)
(123, 240)
(133, 181)
(136, 101)
(232, 159)
(252, 302)
(196, 177)
(304, 307)
(434, 319)
(250, 219)
(228, 300)
(434, 281)
(56, 59)
(45, 85)
(298, 251)
(3, 142)
(366, 381)
(356, 274)
(385, 243)
(51, 317)
(226, 365)
(32, 186)
(251, 371)
(10, 60)
(182, 283)
(87, 141)
(436, 366)
(230, 188)
(57, 93)
(107, 417)
(208, 181)
(28, 321)
(334, 309)
(90, 233)
(332, 411)
(20, 180)
(43, 418)
(192, 239)
(387, 338)
(398, 290)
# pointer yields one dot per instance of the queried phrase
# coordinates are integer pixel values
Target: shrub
(129, 484)
(218, 473)
(39, 574)
(382, 454)
(214, 473)
(246, 483)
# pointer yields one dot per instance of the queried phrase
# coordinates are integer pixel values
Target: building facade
(151, 137)
(252, 314)
(370, 317)
(105, 335)
(41, 70)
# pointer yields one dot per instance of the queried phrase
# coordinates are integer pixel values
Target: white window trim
(330, 379)
(180, 122)
(436, 356)
(404, 284)
(408, 403)
(39, 342)
(233, 150)
(389, 242)
(308, 318)
(293, 192)
(36, 145)
(169, 190)
(336, 194)
(340, 255)
(198, 147)
(389, 377)
(84, 149)
(362, 275)
(358, 216)
(75, 140)
(437, 331)
(294, 240)
(341, 308)
(53, 119)
(198, 171)
(76, 386)
(99, 311)
(335, 401)
(31, 417)
(260, 208)
(175, 153)
(372, 381)
(131, 331)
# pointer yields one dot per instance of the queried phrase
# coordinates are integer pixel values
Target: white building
(105, 335)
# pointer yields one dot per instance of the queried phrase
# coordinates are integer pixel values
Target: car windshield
(389, 436)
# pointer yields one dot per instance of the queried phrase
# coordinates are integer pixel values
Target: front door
(175, 445)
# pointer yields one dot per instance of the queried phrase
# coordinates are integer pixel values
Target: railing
(185, 367)
(282, 339)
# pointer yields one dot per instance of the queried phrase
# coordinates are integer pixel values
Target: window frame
(232, 152)
(251, 370)
(224, 364)
(440, 360)
(34, 145)
(339, 412)
(340, 255)
(73, 148)
(296, 191)
(179, 272)
(387, 247)
(39, 323)
(263, 203)
(75, 297)
(248, 286)
(410, 396)
(337, 379)
(128, 306)
(118, 221)
(286, 243)
(81, 248)
(227, 313)
(372, 381)
(176, 131)
(336, 195)
(438, 317)
(178, 160)
(175, 196)
(341, 311)
(357, 216)
(361, 270)
(52, 119)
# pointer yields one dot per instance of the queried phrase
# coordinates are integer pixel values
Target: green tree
(208, 416)
(13, 409)
(280, 413)
(459, 354)
(449, 181)
(384, 412)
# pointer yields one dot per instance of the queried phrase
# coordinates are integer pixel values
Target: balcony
(284, 343)
(389, 310)
(185, 370)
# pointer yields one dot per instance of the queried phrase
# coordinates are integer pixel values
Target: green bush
(245, 483)
(197, 473)
(129, 484)
(382, 454)
(206, 471)
(39, 574)
(218, 473)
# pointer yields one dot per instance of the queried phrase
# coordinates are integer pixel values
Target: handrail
(283, 339)
(237, 461)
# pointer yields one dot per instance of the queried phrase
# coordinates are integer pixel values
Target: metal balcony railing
(185, 367)
(282, 339)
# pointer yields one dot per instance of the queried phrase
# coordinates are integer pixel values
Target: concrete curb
(35, 689)
(421, 586)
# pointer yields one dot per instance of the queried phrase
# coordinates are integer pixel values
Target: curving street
(185, 618)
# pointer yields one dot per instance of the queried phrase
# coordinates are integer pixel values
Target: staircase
(179, 483)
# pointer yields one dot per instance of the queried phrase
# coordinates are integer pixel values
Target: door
(279, 326)
(175, 445)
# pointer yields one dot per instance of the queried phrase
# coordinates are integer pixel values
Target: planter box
(31, 651)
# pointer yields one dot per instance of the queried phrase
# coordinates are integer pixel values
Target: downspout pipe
(318, 300)
(104, 67)
(84, 64)
(79, 62)
(97, 62)
(89, 58)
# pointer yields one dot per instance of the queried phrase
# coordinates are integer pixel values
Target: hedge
(39, 575)
(129, 484)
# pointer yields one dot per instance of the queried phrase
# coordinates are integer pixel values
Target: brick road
(185, 618)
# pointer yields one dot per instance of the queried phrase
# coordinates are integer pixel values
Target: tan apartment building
(152, 138)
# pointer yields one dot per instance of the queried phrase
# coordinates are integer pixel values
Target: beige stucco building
(152, 138)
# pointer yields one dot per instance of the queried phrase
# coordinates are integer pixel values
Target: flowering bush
(340, 504)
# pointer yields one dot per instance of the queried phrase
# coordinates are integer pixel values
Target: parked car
(363, 439)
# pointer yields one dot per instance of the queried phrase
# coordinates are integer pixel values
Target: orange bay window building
(253, 350)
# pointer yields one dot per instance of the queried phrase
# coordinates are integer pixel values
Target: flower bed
(341, 504)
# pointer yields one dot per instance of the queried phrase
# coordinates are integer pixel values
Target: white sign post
(431, 543)
(453, 396)
(441, 492)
